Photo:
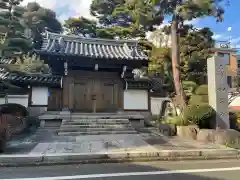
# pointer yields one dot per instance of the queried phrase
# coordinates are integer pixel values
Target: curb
(90, 158)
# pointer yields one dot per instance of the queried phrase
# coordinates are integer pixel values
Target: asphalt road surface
(180, 170)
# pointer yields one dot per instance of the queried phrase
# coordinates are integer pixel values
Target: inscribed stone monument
(218, 90)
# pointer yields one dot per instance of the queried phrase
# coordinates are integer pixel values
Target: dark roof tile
(33, 79)
(91, 47)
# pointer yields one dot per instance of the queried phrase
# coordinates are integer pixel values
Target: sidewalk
(47, 148)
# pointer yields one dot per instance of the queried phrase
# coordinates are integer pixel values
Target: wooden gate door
(97, 92)
(82, 93)
(108, 96)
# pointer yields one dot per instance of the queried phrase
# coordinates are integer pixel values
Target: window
(229, 81)
(226, 57)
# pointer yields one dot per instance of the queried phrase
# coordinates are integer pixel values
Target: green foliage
(104, 8)
(179, 12)
(82, 26)
(200, 95)
(189, 87)
(196, 99)
(187, 10)
(12, 29)
(160, 60)
(201, 115)
(35, 19)
(195, 48)
(31, 64)
(237, 113)
(125, 18)
(27, 64)
(202, 90)
(177, 121)
(120, 32)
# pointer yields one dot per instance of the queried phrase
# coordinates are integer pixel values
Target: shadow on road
(96, 170)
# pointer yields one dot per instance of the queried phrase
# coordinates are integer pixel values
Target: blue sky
(231, 19)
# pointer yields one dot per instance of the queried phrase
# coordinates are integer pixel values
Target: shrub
(155, 117)
(178, 121)
(237, 113)
(200, 96)
(201, 115)
(31, 124)
(189, 87)
(196, 99)
(202, 90)
(3, 144)
(233, 118)
(14, 109)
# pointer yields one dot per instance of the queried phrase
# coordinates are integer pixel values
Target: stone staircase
(95, 125)
(49, 126)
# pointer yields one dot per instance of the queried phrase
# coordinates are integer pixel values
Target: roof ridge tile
(121, 41)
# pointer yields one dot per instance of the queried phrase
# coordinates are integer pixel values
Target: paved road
(180, 170)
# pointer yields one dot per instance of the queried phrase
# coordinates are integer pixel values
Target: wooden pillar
(65, 94)
(66, 83)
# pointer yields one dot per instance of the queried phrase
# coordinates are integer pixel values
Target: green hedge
(178, 121)
(189, 87)
(200, 95)
(196, 99)
(202, 90)
(200, 114)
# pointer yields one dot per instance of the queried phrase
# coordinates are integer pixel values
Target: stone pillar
(218, 90)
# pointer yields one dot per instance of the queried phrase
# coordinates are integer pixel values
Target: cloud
(66, 8)
(238, 46)
(193, 22)
(217, 36)
(235, 40)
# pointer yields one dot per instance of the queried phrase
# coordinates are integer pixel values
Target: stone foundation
(36, 111)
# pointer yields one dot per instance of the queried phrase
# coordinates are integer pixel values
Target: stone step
(106, 116)
(63, 129)
(48, 129)
(95, 133)
(94, 123)
(97, 120)
(70, 126)
(68, 115)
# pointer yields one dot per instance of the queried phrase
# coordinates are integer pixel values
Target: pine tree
(13, 41)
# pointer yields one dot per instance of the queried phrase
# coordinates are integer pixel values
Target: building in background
(229, 53)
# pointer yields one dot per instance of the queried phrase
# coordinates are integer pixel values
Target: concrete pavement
(181, 170)
(46, 148)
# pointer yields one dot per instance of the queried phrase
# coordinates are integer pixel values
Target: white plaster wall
(235, 102)
(39, 96)
(18, 99)
(136, 99)
(156, 104)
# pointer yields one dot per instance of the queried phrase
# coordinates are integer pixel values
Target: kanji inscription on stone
(218, 90)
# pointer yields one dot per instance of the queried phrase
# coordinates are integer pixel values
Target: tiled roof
(138, 84)
(6, 61)
(91, 47)
(34, 79)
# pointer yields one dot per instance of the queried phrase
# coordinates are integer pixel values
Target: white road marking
(89, 176)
